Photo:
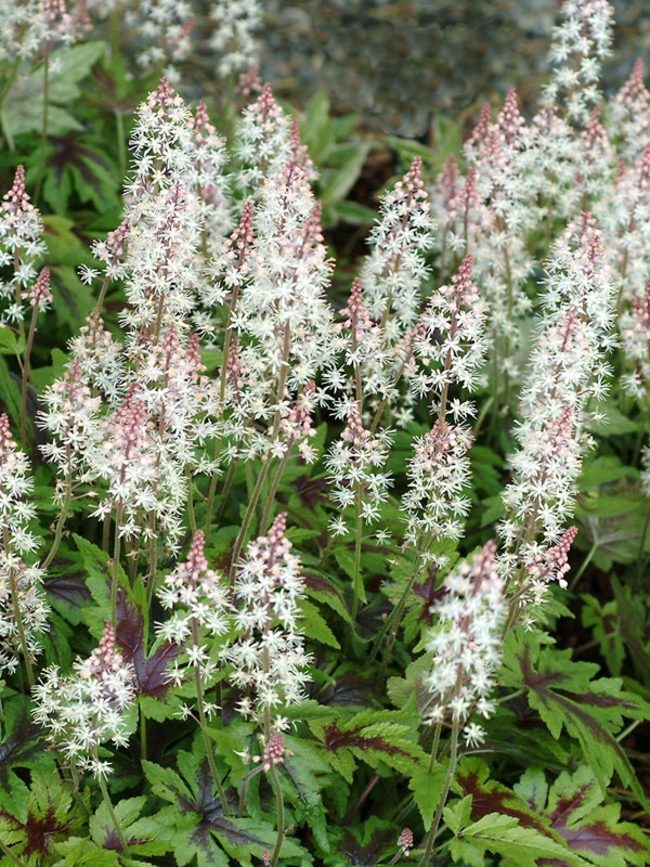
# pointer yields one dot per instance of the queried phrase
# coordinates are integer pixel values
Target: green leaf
(614, 422)
(23, 107)
(374, 737)
(352, 213)
(504, 836)
(9, 391)
(567, 698)
(315, 626)
(336, 185)
(73, 300)
(10, 343)
(427, 786)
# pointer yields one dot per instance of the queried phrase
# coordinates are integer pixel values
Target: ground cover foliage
(324, 464)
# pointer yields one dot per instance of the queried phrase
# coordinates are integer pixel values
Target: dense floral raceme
(84, 709)
(324, 458)
(269, 660)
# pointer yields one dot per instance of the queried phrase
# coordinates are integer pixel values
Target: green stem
(63, 514)
(252, 504)
(279, 801)
(203, 724)
(358, 534)
(109, 807)
(24, 382)
(275, 484)
(433, 832)
(116, 565)
(585, 563)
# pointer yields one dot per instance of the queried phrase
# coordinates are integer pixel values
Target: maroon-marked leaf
(571, 813)
(151, 671)
(68, 588)
(372, 737)
(567, 697)
(592, 828)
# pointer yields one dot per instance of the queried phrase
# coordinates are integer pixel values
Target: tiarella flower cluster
(438, 474)
(566, 369)
(88, 707)
(198, 599)
(24, 611)
(145, 439)
(465, 644)
(269, 662)
(354, 463)
(263, 141)
(283, 323)
(624, 213)
(29, 25)
(236, 23)
(580, 44)
(21, 246)
(165, 27)
(635, 337)
(449, 344)
(630, 113)
(395, 269)
(379, 329)
(496, 228)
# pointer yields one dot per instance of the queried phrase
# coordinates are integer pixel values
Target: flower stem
(252, 503)
(110, 808)
(279, 801)
(358, 534)
(275, 484)
(24, 382)
(203, 723)
(433, 831)
(116, 565)
(20, 626)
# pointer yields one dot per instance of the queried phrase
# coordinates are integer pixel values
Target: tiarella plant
(324, 518)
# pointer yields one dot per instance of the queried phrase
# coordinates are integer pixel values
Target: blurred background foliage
(400, 62)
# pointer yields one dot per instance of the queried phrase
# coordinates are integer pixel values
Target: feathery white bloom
(199, 600)
(269, 660)
(21, 246)
(395, 269)
(624, 213)
(233, 39)
(635, 341)
(580, 44)
(86, 708)
(465, 640)
(438, 473)
(24, 611)
(630, 114)
(566, 369)
(449, 343)
(354, 463)
(263, 141)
